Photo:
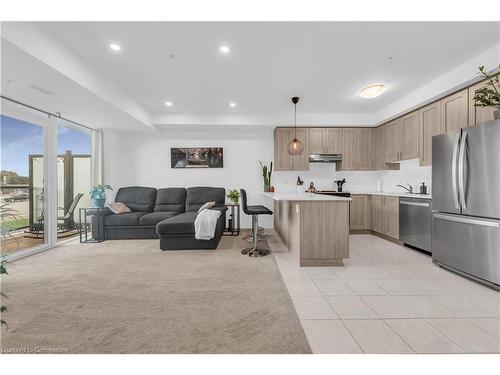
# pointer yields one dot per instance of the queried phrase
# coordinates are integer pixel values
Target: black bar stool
(255, 211)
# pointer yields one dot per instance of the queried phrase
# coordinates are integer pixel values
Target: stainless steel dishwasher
(415, 222)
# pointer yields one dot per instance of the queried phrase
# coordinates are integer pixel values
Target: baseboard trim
(319, 262)
(381, 235)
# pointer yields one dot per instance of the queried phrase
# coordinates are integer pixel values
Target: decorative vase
(98, 203)
(496, 114)
(233, 200)
(267, 188)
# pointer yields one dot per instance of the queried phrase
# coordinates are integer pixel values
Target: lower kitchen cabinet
(383, 211)
(376, 213)
(359, 214)
(390, 216)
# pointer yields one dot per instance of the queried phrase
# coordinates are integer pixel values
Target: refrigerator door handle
(468, 220)
(454, 172)
(461, 173)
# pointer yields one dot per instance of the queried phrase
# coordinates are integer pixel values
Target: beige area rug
(130, 297)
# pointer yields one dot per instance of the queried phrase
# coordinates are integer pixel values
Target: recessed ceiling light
(115, 47)
(372, 91)
(168, 104)
(232, 104)
(224, 49)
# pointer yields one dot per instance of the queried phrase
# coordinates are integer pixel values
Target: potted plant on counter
(98, 195)
(233, 196)
(266, 175)
(489, 95)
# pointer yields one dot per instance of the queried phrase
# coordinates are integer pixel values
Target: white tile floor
(389, 299)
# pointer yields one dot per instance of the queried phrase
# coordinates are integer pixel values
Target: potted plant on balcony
(98, 195)
(489, 95)
(266, 175)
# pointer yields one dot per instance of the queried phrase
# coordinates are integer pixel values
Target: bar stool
(255, 211)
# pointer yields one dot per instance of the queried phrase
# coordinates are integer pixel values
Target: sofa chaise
(167, 214)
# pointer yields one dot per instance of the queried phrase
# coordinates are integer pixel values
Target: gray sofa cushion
(198, 196)
(154, 218)
(184, 223)
(179, 224)
(129, 219)
(171, 199)
(137, 198)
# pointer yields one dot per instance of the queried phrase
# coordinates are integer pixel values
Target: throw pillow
(118, 207)
(206, 205)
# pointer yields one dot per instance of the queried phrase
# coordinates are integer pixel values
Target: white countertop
(303, 197)
(393, 194)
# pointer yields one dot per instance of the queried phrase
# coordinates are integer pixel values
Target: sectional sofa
(167, 214)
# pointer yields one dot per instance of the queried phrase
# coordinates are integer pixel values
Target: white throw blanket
(205, 223)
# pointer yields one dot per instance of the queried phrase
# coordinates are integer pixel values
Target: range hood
(324, 158)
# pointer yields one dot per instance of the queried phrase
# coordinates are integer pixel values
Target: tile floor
(389, 299)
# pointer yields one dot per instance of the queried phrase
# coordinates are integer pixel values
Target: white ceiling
(26, 79)
(325, 63)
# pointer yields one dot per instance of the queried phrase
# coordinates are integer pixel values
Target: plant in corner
(266, 175)
(98, 195)
(489, 95)
(233, 195)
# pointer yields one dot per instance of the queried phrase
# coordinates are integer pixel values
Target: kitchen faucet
(409, 190)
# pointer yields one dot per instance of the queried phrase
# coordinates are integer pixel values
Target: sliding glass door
(46, 173)
(73, 177)
(23, 174)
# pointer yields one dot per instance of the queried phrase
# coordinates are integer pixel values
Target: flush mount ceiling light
(224, 49)
(295, 147)
(115, 47)
(372, 91)
(232, 104)
(168, 104)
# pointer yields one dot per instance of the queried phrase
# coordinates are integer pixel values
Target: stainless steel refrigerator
(466, 202)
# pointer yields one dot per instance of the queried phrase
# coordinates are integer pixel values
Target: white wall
(133, 158)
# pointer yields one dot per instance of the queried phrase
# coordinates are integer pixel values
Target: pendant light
(295, 147)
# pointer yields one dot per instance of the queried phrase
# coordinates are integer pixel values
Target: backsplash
(324, 174)
(409, 173)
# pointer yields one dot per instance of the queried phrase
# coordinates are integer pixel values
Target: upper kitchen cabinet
(364, 149)
(402, 138)
(411, 134)
(430, 125)
(378, 150)
(356, 155)
(376, 164)
(325, 140)
(478, 115)
(455, 111)
(394, 137)
(283, 161)
(301, 162)
(333, 140)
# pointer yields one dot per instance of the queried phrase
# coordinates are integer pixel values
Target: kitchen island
(314, 227)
